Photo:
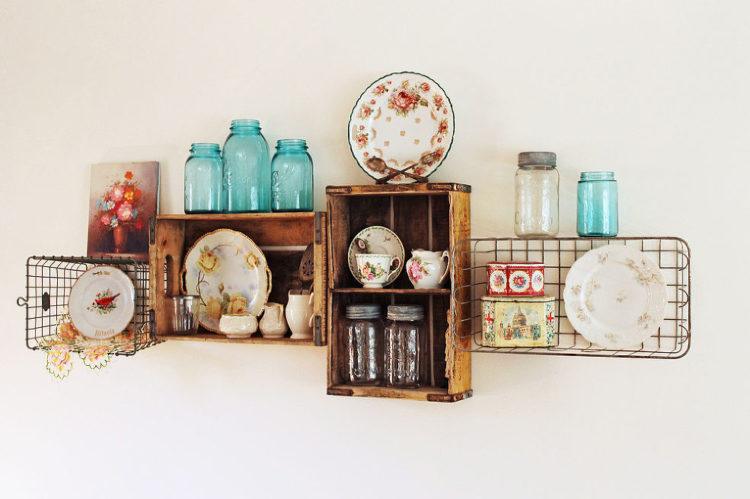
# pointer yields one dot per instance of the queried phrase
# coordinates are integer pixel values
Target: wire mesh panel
(672, 340)
(49, 281)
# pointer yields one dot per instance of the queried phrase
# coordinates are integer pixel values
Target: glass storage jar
(247, 168)
(203, 179)
(597, 204)
(537, 195)
(361, 351)
(292, 177)
(403, 337)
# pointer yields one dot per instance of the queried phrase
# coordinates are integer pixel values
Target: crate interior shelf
(671, 254)
(283, 238)
(424, 216)
(49, 281)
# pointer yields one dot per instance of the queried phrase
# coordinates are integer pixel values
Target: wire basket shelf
(49, 280)
(672, 254)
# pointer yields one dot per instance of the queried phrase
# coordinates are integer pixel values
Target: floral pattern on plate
(229, 273)
(617, 297)
(375, 239)
(402, 122)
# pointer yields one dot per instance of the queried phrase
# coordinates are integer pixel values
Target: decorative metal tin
(515, 279)
(527, 321)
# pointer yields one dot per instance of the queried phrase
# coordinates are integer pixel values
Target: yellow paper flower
(237, 305)
(213, 308)
(208, 261)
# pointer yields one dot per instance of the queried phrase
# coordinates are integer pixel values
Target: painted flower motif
(430, 158)
(425, 87)
(438, 101)
(67, 332)
(208, 261)
(125, 212)
(417, 270)
(58, 361)
(105, 220)
(95, 357)
(129, 175)
(365, 111)
(404, 101)
(380, 89)
(362, 139)
(443, 127)
(371, 271)
(251, 261)
(117, 193)
(213, 308)
(237, 304)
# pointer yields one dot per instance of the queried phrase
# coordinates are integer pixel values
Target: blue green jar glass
(247, 169)
(203, 179)
(292, 178)
(597, 204)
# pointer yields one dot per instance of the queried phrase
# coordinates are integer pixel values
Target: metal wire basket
(49, 281)
(672, 254)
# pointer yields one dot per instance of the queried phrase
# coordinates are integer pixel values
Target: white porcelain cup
(376, 269)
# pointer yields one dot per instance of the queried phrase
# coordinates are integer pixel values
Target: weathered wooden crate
(283, 237)
(433, 216)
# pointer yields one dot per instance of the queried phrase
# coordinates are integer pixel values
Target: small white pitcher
(273, 325)
(427, 269)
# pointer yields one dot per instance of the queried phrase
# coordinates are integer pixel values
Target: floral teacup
(375, 269)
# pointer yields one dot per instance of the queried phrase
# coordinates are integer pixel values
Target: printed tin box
(518, 321)
(515, 279)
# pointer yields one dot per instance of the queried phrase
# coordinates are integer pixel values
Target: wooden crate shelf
(424, 216)
(283, 238)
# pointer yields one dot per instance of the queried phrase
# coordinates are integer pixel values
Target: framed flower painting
(123, 198)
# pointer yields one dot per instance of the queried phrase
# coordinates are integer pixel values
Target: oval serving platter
(229, 273)
(400, 127)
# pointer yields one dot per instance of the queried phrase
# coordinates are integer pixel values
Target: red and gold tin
(515, 279)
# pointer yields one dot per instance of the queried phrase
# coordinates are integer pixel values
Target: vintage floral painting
(123, 197)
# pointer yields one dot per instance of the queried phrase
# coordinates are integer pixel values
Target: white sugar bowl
(238, 325)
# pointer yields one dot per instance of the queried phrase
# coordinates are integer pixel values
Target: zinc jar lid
(589, 176)
(363, 311)
(405, 312)
(532, 158)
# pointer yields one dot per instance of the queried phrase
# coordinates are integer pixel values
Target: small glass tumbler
(185, 314)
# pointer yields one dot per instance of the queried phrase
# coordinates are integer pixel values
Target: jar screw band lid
(531, 158)
(405, 312)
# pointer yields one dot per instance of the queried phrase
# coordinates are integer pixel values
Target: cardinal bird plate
(401, 128)
(615, 297)
(102, 302)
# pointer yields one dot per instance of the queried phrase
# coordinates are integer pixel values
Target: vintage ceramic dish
(427, 269)
(615, 297)
(518, 321)
(376, 239)
(102, 302)
(515, 279)
(229, 272)
(238, 325)
(376, 269)
(403, 122)
(299, 314)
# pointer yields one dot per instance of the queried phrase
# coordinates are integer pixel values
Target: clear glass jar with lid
(404, 333)
(537, 195)
(361, 348)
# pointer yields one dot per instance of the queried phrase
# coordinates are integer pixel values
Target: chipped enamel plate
(615, 297)
(402, 122)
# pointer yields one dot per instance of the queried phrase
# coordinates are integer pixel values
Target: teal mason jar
(597, 204)
(203, 179)
(292, 178)
(247, 169)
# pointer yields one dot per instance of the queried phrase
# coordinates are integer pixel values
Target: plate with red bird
(102, 302)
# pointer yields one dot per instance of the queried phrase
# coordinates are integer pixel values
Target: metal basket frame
(672, 254)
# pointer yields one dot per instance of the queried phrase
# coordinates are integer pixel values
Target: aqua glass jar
(292, 177)
(247, 169)
(203, 179)
(597, 204)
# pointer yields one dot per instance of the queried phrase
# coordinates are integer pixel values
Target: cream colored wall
(656, 91)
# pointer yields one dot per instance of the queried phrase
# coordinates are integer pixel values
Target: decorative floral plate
(229, 273)
(615, 297)
(102, 302)
(403, 122)
(376, 239)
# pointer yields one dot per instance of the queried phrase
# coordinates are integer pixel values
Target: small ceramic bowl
(238, 325)
(515, 279)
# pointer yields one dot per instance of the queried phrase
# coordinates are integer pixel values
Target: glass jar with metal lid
(404, 333)
(361, 347)
(537, 195)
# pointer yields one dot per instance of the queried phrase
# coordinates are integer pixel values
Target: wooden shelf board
(426, 393)
(397, 189)
(216, 338)
(239, 216)
(392, 291)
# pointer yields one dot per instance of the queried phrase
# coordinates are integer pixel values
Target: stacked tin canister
(515, 311)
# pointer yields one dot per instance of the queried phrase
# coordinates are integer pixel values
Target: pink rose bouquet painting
(124, 196)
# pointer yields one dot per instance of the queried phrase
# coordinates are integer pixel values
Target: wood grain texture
(253, 340)
(397, 189)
